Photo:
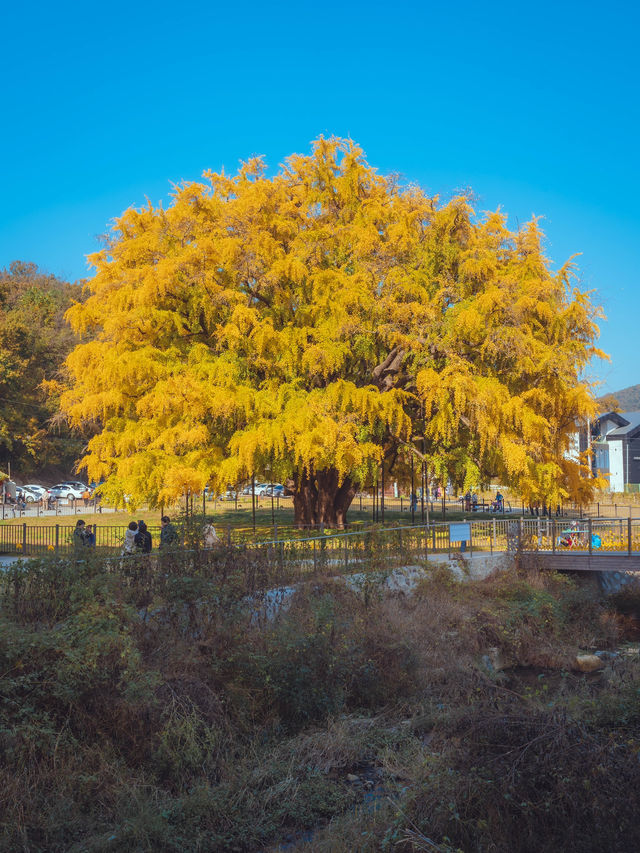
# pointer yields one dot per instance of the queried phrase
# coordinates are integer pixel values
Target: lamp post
(413, 492)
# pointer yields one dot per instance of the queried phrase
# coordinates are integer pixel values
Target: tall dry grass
(163, 710)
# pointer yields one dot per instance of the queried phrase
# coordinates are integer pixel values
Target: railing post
(24, 537)
(553, 535)
(346, 554)
(315, 557)
(629, 537)
(494, 541)
(57, 537)
(589, 534)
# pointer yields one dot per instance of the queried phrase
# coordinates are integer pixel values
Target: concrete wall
(616, 466)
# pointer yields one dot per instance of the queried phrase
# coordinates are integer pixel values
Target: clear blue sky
(535, 107)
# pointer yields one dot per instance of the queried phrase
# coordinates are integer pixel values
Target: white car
(28, 495)
(40, 491)
(77, 484)
(275, 490)
(64, 490)
(259, 489)
(262, 489)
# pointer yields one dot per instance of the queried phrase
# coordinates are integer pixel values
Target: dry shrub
(524, 781)
(538, 619)
(48, 803)
(191, 724)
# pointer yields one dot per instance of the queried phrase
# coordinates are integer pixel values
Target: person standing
(79, 536)
(129, 545)
(91, 536)
(168, 533)
(143, 540)
(209, 536)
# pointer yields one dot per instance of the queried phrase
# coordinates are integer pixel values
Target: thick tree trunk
(320, 501)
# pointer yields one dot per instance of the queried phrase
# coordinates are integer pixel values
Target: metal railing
(614, 535)
(37, 539)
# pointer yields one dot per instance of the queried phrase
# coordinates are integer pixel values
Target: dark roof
(628, 424)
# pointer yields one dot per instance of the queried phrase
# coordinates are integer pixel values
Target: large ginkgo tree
(316, 324)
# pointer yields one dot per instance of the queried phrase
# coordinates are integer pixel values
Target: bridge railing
(593, 536)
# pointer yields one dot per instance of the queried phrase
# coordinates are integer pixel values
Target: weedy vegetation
(171, 705)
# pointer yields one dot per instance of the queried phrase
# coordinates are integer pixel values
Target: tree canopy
(34, 341)
(318, 323)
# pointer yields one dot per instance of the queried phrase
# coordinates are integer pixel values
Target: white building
(615, 440)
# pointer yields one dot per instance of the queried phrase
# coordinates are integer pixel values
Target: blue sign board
(460, 532)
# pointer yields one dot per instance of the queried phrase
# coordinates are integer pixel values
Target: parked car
(76, 484)
(40, 491)
(258, 488)
(262, 489)
(275, 490)
(65, 490)
(229, 495)
(25, 494)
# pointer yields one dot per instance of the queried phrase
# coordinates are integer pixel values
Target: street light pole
(413, 494)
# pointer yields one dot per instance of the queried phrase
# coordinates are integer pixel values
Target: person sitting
(570, 538)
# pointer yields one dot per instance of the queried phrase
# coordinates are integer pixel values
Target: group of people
(471, 502)
(138, 539)
(84, 535)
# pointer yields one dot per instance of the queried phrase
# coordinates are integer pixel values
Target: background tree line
(34, 342)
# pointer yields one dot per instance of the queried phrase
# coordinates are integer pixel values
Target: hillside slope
(627, 400)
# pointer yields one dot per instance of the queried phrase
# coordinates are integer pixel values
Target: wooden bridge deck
(583, 561)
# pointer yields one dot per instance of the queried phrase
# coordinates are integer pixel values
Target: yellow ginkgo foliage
(306, 326)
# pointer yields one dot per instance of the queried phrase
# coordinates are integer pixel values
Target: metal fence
(33, 540)
(364, 545)
(491, 534)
